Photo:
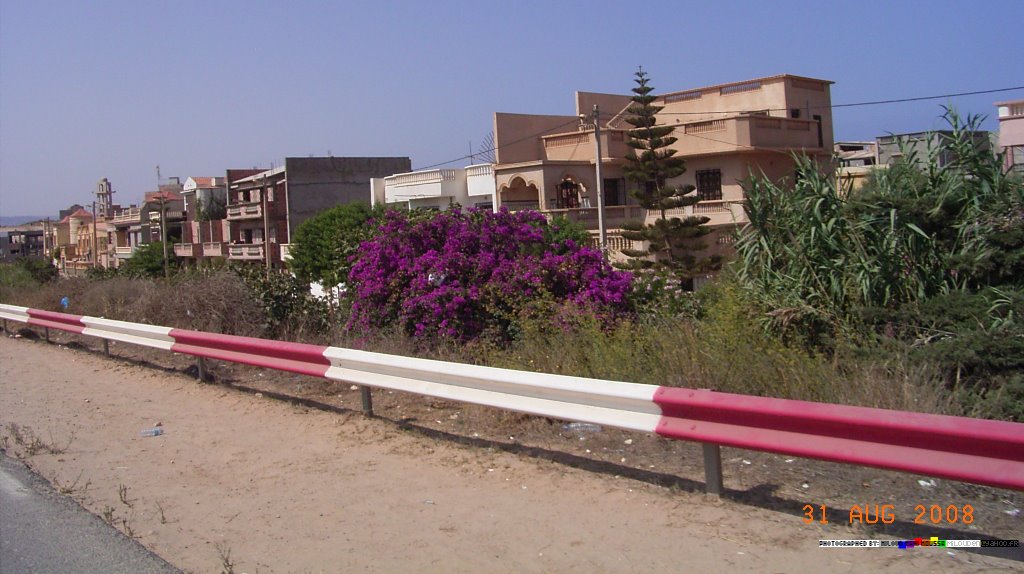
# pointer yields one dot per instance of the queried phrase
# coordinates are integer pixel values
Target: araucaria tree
(650, 164)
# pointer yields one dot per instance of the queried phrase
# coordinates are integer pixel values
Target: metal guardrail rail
(964, 449)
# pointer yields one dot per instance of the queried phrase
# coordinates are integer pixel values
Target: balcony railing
(480, 170)
(614, 215)
(183, 250)
(245, 211)
(245, 251)
(521, 205)
(728, 135)
(719, 212)
(579, 146)
(124, 252)
(427, 176)
(214, 249)
(169, 214)
(131, 215)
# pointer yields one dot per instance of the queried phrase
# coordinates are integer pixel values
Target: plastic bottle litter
(156, 431)
(582, 427)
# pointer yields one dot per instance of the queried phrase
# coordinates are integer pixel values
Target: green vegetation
(148, 261)
(323, 245)
(906, 294)
(925, 261)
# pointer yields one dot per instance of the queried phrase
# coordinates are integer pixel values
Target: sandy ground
(286, 488)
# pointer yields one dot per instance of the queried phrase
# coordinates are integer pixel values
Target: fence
(970, 450)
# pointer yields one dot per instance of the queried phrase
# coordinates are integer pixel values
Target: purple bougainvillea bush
(461, 274)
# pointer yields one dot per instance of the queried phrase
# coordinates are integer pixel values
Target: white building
(471, 186)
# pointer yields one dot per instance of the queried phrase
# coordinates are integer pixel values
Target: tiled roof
(164, 195)
(78, 214)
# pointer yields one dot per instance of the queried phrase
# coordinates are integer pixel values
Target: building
(205, 230)
(265, 208)
(21, 241)
(856, 160)
(138, 225)
(471, 186)
(69, 229)
(725, 133)
(1011, 134)
(919, 145)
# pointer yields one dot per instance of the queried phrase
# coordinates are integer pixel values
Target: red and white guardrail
(970, 450)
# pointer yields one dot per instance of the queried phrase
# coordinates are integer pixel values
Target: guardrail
(969, 450)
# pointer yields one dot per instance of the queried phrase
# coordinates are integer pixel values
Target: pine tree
(650, 164)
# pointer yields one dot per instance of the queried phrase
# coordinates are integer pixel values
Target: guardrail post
(46, 330)
(106, 347)
(367, 401)
(201, 368)
(712, 469)
(5, 326)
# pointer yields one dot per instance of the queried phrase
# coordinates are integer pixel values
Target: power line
(574, 120)
(856, 104)
(705, 113)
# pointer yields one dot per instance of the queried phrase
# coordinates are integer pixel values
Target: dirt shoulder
(283, 487)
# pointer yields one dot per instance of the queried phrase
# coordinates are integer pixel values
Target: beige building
(1011, 134)
(725, 132)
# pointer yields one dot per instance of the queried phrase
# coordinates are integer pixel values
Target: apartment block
(265, 208)
(205, 230)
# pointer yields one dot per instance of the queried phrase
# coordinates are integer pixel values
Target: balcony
(614, 215)
(423, 184)
(124, 252)
(729, 135)
(214, 249)
(183, 250)
(245, 252)
(720, 212)
(579, 146)
(245, 211)
(127, 216)
(169, 215)
(480, 180)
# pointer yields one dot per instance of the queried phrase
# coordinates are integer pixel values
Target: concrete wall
(517, 136)
(918, 143)
(318, 183)
(609, 104)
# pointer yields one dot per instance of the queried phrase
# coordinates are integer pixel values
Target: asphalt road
(42, 531)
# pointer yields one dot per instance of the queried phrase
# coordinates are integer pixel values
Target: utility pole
(602, 234)
(95, 242)
(163, 232)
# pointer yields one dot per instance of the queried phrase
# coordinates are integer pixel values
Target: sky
(113, 89)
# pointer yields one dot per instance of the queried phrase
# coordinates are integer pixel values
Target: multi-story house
(1011, 134)
(205, 231)
(138, 225)
(725, 133)
(264, 209)
(22, 241)
(902, 147)
(471, 186)
(67, 246)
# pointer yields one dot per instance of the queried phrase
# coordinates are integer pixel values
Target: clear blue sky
(113, 89)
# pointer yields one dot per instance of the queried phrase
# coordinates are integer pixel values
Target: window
(709, 184)
(794, 113)
(614, 192)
